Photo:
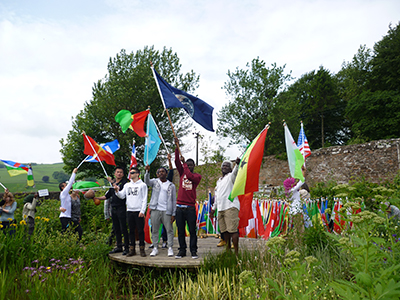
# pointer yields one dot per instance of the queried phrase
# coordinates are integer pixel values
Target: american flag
(133, 156)
(302, 143)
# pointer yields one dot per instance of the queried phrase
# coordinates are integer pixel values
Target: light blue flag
(153, 141)
(109, 147)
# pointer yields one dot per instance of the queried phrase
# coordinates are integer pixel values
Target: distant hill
(18, 183)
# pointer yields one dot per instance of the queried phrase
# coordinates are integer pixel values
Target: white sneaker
(170, 251)
(154, 252)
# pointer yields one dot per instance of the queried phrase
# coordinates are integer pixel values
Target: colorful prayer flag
(295, 158)
(302, 143)
(134, 122)
(94, 149)
(196, 108)
(152, 143)
(15, 168)
(30, 180)
(249, 167)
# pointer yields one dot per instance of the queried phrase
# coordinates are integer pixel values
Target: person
(107, 217)
(65, 199)
(393, 211)
(76, 213)
(162, 207)
(29, 210)
(135, 193)
(118, 211)
(186, 203)
(228, 211)
(7, 211)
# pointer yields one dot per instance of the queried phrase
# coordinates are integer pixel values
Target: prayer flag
(249, 167)
(30, 180)
(94, 149)
(152, 143)
(295, 158)
(302, 143)
(134, 122)
(196, 108)
(15, 168)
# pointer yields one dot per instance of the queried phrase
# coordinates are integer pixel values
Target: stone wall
(376, 161)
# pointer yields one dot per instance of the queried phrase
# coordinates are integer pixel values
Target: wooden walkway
(206, 246)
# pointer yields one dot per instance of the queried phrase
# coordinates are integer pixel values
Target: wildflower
(37, 218)
(53, 259)
(15, 225)
(44, 279)
(1, 226)
(48, 268)
(35, 261)
(27, 291)
(344, 241)
(379, 220)
(22, 222)
(311, 260)
(9, 219)
(276, 241)
(293, 253)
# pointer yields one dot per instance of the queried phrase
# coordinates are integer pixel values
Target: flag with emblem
(249, 167)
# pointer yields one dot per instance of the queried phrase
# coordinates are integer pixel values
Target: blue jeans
(183, 216)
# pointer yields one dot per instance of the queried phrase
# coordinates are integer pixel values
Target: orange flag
(98, 153)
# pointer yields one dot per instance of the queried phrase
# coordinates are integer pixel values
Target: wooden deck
(206, 246)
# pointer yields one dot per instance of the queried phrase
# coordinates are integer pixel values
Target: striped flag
(302, 143)
(295, 158)
(133, 156)
(30, 180)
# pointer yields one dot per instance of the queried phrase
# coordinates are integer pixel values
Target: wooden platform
(206, 246)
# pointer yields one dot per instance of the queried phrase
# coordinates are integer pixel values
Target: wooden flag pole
(166, 109)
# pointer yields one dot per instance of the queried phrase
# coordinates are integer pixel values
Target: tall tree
(375, 110)
(128, 85)
(253, 92)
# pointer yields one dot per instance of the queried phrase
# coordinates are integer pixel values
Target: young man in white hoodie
(135, 193)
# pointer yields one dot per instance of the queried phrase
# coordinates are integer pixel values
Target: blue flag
(152, 143)
(196, 108)
(109, 147)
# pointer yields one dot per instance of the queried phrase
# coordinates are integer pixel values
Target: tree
(374, 108)
(128, 85)
(60, 176)
(253, 94)
(45, 178)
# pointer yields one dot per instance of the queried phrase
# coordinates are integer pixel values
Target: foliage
(60, 176)
(253, 94)
(128, 85)
(45, 178)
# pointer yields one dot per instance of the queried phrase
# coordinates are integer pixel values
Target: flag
(196, 108)
(295, 158)
(302, 143)
(94, 149)
(153, 142)
(30, 180)
(134, 122)
(109, 147)
(246, 209)
(15, 168)
(249, 167)
(133, 157)
(81, 185)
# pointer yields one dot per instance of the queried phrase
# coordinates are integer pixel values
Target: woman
(8, 209)
(76, 213)
(29, 210)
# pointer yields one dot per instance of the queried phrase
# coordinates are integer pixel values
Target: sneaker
(115, 250)
(221, 243)
(151, 246)
(126, 251)
(170, 251)
(154, 252)
(164, 245)
(180, 254)
(194, 255)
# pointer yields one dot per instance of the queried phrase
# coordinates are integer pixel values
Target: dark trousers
(64, 223)
(31, 225)
(183, 216)
(118, 216)
(135, 222)
(77, 228)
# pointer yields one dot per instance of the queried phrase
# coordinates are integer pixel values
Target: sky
(52, 52)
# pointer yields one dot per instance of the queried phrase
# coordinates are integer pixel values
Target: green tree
(128, 85)
(253, 92)
(45, 178)
(374, 109)
(60, 176)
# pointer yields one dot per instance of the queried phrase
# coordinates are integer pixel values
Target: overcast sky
(51, 52)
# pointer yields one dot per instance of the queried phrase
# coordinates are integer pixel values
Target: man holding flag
(228, 210)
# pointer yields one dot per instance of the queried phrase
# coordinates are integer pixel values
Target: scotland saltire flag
(302, 143)
(152, 143)
(109, 147)
(196, 108)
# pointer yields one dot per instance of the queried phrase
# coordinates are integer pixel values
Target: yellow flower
(9, 220)
(37, 218)
(15, 225)
(22, 222)
(1, 226)
(46, 219)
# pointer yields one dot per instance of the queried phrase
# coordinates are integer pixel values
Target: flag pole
(94, 151)
(161, 137)
(165, 108)
(147, 139)
(83, 161)
(3, 186)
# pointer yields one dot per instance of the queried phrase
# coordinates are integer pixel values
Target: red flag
(147, 228)
(246, 210)
(98, 153)
(138, 122)
(260, 224)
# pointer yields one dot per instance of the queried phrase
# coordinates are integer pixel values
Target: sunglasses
(134, 172)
